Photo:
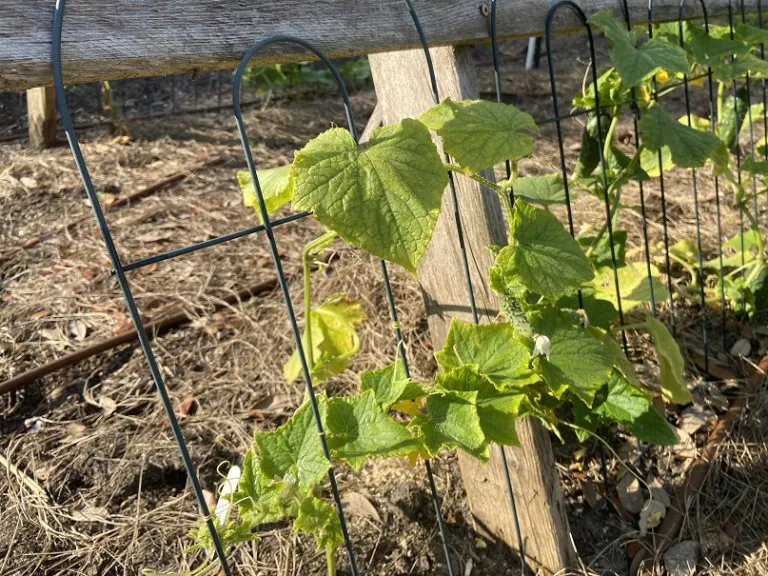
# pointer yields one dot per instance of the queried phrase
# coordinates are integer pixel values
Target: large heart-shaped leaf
(541, 255)
(384, 199)
(480, 134)
(637, 64)
(690, 148)
(492, 348)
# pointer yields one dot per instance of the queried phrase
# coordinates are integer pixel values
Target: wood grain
(112, 39)
(402, 85)
(41, 114)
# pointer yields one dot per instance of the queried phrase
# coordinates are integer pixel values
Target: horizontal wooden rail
(112, 39)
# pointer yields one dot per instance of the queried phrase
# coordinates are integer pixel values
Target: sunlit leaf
(384, 199)
(497, 411)
(578, 360)
(544, 190)
(452, 421)
(492, 348)
(357, 429)
(334, 339)
(635, 64)
(480, 134)
(276, 188)
(541, 255)
(634, 285)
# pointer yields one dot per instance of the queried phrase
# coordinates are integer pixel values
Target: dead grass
(94, 484)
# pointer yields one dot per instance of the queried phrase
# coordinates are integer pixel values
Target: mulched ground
(90, 475)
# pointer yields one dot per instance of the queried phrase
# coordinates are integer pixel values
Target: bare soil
(90, 477)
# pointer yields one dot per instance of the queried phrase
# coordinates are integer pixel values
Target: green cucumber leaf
(542, 256)
(293, 449)
(357, 429)
(261, 500)
(276, 188)
(739, 67)
(649, 161)
(578, 360)
(544, 190)
(322, 521)
(589, 155)
(480, 134)
(601, 254)
(633, 409)
(690, 148)
(702, 49)
(493, 348)
(452, 421)
(334, 339)
(671, 363)
(755, 167)
(601, 313)
(497, 411)
(634, 285)
(734, 110)
(384, 199)
(620, 360)
(390, 385)
(636, 64)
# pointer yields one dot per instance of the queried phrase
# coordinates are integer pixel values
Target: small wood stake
(41, 114)
(403, 88)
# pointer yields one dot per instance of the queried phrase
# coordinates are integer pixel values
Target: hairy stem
(615, 186)
(501, 190)
(308, 254)
(330, 560)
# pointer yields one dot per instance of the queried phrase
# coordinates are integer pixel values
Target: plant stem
(308, 254)
(502, 191)
(615, 186)
(609, 134)
(720, 89)
(330, 560)
(636, 326)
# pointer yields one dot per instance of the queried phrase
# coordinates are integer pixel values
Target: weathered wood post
(41, 117)
(403, 88)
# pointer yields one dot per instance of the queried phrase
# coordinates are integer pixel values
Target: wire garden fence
(665, 306)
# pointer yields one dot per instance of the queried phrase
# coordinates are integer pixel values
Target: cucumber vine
(554, 343)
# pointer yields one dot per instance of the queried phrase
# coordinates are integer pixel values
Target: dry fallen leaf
(658, 492)
(185, 406)
(358, 505)
(75, 428)
(685, 448)
(693, 418)
(651, 515)
(108, 405)
(78, 329)
(50, 334)
(680, 559)
(40, 314)
(273, 404)
(589, 492)
(91, 514)
(108, 199)
(630, 494)
(88, 273)
(28, 182)
(741, 347)
(468, 567)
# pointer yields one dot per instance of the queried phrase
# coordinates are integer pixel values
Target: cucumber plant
(554, 343)
(658, 66)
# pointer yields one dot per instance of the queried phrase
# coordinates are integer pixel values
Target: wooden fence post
(41, 117)
(403, 88)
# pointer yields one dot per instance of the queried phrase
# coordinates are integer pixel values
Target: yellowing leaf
(334, 339)
(671, 363)
(276, 188)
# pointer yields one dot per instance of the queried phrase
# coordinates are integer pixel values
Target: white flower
(581, 313)
(227, 487)
(542, 347)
